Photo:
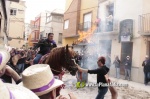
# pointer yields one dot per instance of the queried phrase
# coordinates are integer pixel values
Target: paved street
(134, 91)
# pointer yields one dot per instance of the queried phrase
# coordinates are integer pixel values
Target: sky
(35, 7)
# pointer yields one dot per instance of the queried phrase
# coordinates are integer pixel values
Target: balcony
(102, 27)
(85, 26)
(144, 24)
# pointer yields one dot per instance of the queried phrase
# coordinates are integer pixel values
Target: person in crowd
(112, 89)
(45, 47)
(146, 66)
(128, 68)
(11, 91)
(78, 58)
(29, 59)
(21, 61)
(12, 54)
(101, 72)
(109, 21)
(117, 66)
(6, 72)
(39, 79)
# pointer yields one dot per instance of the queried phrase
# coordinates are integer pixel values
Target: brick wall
(73, 15)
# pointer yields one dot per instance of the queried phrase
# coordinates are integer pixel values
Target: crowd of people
(37, 79)
(40, 80)
(127, 65)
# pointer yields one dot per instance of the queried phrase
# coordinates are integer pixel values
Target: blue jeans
(117, 72)
(101, 93)
(145, 78)
(37, 59)
(127, 74)
(21, 67)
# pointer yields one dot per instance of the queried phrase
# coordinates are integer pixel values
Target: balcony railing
(85, 26)
(101, 26)
(104, 27)
(144, 24)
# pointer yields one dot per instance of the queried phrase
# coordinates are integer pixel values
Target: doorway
(126, 50)
(148, 48)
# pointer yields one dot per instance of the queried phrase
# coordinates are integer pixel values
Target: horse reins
(55, 70)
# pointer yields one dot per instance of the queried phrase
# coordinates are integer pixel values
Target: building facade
(17, 24)
(71, 21)
(35, 30)
(54, 24)
(79, 15)
(122, 30)
(48, 22)
(4, 20)
(31, 34)
(118, 29)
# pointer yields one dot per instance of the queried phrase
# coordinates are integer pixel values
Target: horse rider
(45, 47)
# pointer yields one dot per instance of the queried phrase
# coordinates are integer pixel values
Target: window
(106, 14)
(13, 11)
(87, 21)
(60, 38)
(20, 11)
(66, 24)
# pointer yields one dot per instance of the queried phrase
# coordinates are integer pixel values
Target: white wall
(17, 25)
(55, 26)
(129, 9)
(42, 21)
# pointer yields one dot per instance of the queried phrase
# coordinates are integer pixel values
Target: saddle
(43, 58)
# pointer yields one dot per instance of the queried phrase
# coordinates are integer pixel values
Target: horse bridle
(68, 59)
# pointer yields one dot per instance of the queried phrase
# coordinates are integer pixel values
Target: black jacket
(128, 64)
(101, 72)
(146, 65)
(45, 46)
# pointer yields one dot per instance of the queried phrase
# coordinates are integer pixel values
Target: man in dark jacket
(146, 65)
(45, 47)
(128, 68)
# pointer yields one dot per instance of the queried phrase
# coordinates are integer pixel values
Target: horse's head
(69, 58)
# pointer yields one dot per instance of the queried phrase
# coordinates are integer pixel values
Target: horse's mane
(56, 57)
